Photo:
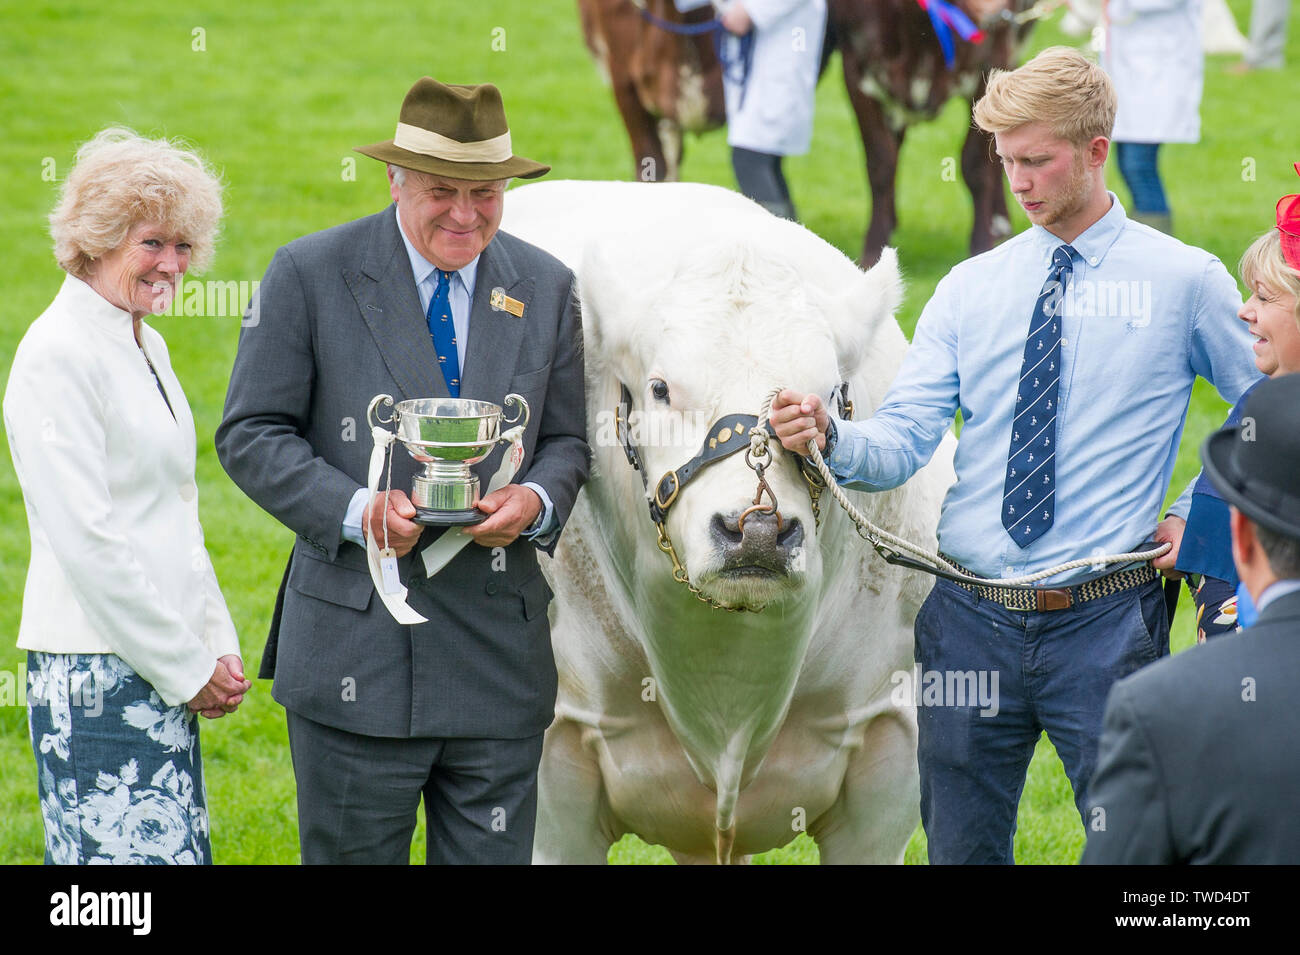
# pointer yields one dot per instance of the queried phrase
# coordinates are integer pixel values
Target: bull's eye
(659, 388)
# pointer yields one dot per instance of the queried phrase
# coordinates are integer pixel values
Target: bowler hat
(1256, 464)
(454, 131)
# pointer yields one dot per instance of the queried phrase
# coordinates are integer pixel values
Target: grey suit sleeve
(1128, 811)
(263, 440)
(561, 458)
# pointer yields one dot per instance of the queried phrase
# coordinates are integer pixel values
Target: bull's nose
(761, 545)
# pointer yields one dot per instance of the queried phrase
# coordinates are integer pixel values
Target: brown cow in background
(666, 84)
(895, 74)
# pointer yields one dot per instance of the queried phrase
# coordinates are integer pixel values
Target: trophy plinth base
(431, 518)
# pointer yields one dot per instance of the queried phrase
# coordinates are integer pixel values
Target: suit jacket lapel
(385, 293)
(494, 336)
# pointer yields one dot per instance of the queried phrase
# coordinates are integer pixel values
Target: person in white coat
(769, 76)
(127, 633)
(1153, 55)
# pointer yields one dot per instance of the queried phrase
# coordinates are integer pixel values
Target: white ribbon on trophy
(390, 589)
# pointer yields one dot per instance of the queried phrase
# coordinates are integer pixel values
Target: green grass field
(276, 94)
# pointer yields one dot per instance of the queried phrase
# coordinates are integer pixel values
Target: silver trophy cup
(447, 436)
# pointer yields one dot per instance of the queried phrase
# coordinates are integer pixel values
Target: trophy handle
(521, 417)
(372, 418)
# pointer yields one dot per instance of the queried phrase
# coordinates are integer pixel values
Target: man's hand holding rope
(798, 419)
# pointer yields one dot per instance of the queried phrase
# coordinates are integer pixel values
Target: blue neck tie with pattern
(443, 330)
(1029, 495)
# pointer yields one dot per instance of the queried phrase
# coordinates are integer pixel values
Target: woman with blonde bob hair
(1271, 270)
(127, 633)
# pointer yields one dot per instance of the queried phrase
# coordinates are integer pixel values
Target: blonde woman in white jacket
(128, 636)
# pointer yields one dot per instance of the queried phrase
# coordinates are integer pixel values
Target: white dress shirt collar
(1094, 242)
(422, 268)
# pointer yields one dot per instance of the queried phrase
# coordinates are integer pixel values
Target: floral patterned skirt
(119, 772)
(1216, 607)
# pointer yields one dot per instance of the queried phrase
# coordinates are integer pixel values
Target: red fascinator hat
(1288, 223)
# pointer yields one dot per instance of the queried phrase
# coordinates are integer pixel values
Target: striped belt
(1042, 599)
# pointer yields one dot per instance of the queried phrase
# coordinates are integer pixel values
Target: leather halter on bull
(892, 549)
(728, 435)
(895, 550)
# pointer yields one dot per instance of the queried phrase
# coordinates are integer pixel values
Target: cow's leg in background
(881, 144)
(607, 26)
(670, 136)
(879, 805)
(642, 129)
(983, 174)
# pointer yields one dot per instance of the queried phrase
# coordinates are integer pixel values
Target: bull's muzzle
(766, 543)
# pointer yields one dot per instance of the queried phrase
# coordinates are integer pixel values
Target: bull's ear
(868, 301)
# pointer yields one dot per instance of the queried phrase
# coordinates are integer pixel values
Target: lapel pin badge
(501, 302)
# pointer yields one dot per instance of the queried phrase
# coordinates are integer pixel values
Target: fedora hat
(454, 131)
(1256, 464)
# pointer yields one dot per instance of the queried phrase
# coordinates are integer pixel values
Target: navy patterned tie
(1029, 495)
(443, 331)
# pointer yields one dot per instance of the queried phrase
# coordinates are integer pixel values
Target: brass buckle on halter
(677, 486)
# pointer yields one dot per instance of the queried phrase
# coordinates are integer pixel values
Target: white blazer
(775, 113)
(118, 563)
(1153, 55)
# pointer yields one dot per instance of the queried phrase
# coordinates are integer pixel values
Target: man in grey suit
(424, 299)
(1200, 753)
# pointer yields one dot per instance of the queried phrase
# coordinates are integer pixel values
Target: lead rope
(878, 537)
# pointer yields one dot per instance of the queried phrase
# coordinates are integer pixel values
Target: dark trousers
(358, 796)
(1028, 673)
(760, 178)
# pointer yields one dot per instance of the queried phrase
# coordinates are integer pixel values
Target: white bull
(717, 734)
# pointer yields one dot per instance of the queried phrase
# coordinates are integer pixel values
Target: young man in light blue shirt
(1070, 351)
